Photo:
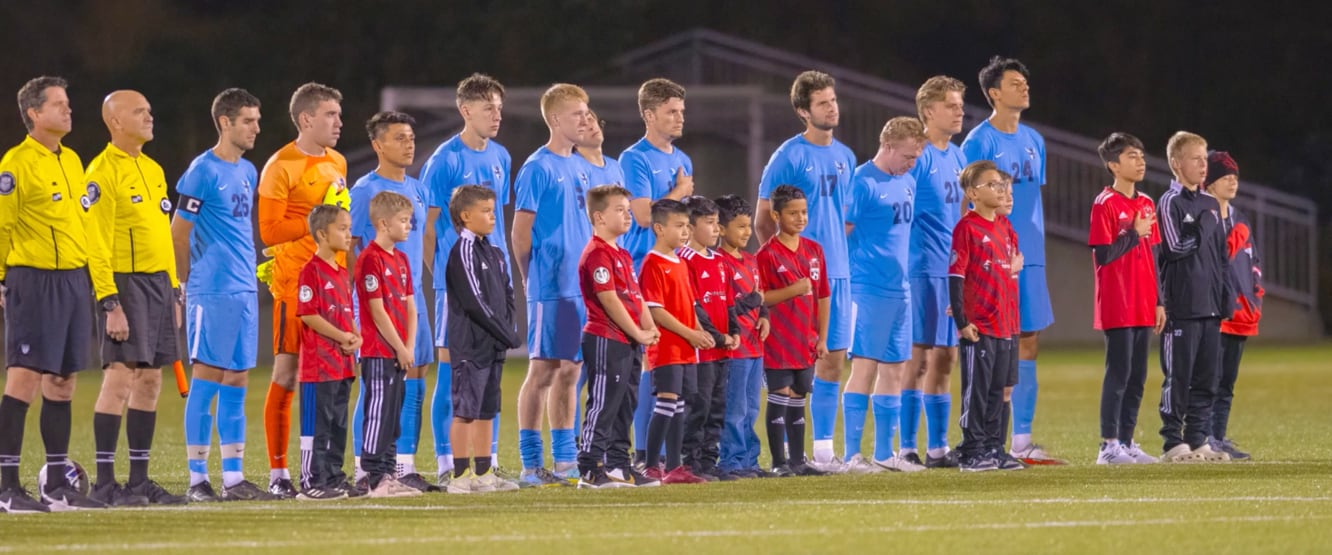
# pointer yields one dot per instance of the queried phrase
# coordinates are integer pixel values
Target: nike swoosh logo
(222, 188)
(559, 180)
(998, 156)
(467, 175)
(809, 169)
(655, 172)
(932, 172)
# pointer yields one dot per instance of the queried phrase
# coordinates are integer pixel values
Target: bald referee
(53, 261)
(133, 216)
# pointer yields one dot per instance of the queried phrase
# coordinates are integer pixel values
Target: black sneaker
(16, 500)
(322, 494)
(633, 476)
(913, 458)
(353, 490)
(113, 494)
(759, 472)
(596, 479)
(949, 460)
(804, 469)
(1005, 461)
(156, 494)
(725, 476)
(415, 481)
(1228, 447)
(65, 498)
(978, 463)
(783, 471)
(709, 474)
(202, 492)
(247, 491)
(281, 488)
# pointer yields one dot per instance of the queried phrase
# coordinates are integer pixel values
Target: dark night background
(1252, 78)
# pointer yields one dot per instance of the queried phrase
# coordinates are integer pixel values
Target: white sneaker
(834, 466)
(491, 482)
(1208, 455)
(1181, 454)
(391, 487)
(897, 463)
(1139, 456)
(1033, 454)
(859, 465)
(1113, 454)
(462, 485)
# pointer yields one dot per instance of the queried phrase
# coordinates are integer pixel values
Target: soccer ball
(74, 473)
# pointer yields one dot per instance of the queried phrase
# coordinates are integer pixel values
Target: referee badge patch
(306, 293)
(6, 183)
(165, 205)
(371, 283)
(601, 276)
(94, 192)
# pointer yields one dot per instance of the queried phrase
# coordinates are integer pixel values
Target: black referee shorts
(49, 319)
(149, 303)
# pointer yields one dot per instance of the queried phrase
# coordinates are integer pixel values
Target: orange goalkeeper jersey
(291, 185)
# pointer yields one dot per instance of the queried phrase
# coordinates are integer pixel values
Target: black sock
(106, 430)
(640, 455)
(55, 426)
(460, 467)
(13, 413)
(795, 429)
(675, 436)
(656, 436)
(776, 424)
(1005, 415)
(140, 425)
(482, 465)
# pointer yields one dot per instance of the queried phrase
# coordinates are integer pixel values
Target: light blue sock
(823, 409)
(530, 448)
(910, 417)
(410, 419)
(562, 445)
(854, 408)
(643, 412)
(231, 426)
(494, 438)
(886, 417)
(1024, 397)
(199, 420)
(937, 409)
(578, 398)
(358, 419)
(441, 409)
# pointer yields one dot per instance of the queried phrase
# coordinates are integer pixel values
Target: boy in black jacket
(480, 331)
(1195, 282)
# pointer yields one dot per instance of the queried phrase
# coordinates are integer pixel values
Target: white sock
(278, 474)
(1021, 441)
(197, 478)
(494, 460)
(443, 463)
(406, 464)
(937, 452)
(231, 478)
(905, 451)
(823, 451)
(358, 473)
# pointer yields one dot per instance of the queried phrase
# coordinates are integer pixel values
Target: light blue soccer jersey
(881, 210)
(649, 173)
(609, 173)
(938, 207)
(554, 188)
(824, 174)
(218, 198)
(362, 227)
(452, 165)
(1021, 154)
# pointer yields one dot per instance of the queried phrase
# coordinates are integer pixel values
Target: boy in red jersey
(982, 294)
(793, 277)
(740, 446)
(388, 316)
(618, 324)
(1129, 307)
(712, 285)
(671, 301)
(326, 364)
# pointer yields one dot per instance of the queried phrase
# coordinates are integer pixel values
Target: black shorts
(800, 381)
(49, 319)
(149, 303)
(680, 379)
(476, 389)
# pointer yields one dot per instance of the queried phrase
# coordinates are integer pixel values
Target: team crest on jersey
(371, 283)
(165, 205)
(306, 293)
(1031, 153)
(6, 183)
(601, 275)
(498, 172)
(841, 168)
(583, 177)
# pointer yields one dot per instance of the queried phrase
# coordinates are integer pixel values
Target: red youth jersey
(387, 276)
(1126, 287)
(744, 279)
(795, 323)
(982, 256)
(712, 285)
(608, 267)
(324, 290)
(665, 285)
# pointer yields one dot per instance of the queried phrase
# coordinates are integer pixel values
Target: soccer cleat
(1034, 455)
(246, 491)
(492, 482)
(541, 478)
(1208, 455)
(155, 493)
(113, 494)
(805, 469)
(899, 463)
(682, 475)
(912, 457)
(1006, 461)
(16, 500)
(1139, 456)
(949, 460)
(978, 463)
(1114, 454)
(1228, 447)
(504, 474)
(860, 465)
(282, 488)
(415, 480)
(202, 492)
(389, 486)
(567, 472)
(462, 485)
(65, 498)
(1181, 454)
(632, 477)
(322, 493)
(655, 474)
(835, 466)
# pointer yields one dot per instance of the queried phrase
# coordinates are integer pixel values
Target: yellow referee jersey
(44, 220)
(134, 212)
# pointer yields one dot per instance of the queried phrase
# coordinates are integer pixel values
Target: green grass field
(1280, 503)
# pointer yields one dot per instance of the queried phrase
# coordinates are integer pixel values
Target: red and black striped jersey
(325, 290)
(983, 252)
(386, 276)
(712, 286)
(795, 323)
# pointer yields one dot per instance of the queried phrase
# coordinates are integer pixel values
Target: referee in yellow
(51, 262)
(133, 216)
